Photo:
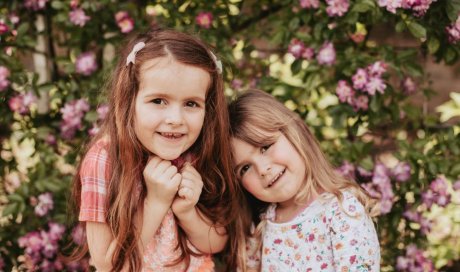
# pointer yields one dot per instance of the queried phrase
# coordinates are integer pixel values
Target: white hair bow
(132, 56)
(217, 62)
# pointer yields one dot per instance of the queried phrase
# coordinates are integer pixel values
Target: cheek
(250, 185)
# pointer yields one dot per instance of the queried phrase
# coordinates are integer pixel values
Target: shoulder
(95, 158)
(347, 206)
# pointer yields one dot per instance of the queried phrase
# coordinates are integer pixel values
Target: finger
(170, 172)
(190, 171)
(176, 180)
(187, 183)
(185, 192)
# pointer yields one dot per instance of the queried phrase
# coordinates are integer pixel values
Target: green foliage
(255, 40)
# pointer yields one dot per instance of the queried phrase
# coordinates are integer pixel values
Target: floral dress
(323, 237)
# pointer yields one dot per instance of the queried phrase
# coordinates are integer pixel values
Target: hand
(162, 180)
(189, 191)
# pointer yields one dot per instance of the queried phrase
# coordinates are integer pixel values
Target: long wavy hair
(257, 118)
(127, 156)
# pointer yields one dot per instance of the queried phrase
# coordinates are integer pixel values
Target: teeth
(276, 178)
(171, 135)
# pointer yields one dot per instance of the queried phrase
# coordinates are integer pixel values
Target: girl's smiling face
(273, 173)
(170, 106)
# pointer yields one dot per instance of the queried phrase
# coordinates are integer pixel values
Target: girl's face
(170, 106)
(272, 173)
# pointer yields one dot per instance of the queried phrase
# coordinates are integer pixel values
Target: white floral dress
(321, 238)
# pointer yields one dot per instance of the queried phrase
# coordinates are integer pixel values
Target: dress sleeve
(93, 178)
(354, 240)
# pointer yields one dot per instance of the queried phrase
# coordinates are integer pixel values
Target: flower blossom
(35, 4)
(347, 169)
(308, 4)
(337, 7)
(296, 48)
(78, 17)
(360, 79)
(45, 204)
(408, 85)
(21, 103)
(414, 260)
(380, 186)
(124, 21)
(437, 193)
(72, 115)
(453, 31)
(204, 19)
(3, 27)
(401, 172)
(4, 74)
(375, 84)
(360, 103)
(344, 92)
(86, 63)
(419, 7)
(326, 54)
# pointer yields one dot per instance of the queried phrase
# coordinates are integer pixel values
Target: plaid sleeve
(93, 176)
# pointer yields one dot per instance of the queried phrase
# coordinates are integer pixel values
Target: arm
(354, 239)
(162, 181)
(200, 231)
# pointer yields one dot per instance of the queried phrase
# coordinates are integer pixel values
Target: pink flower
(360, 103)
(204, 19)
(375, 84)
(86, 63)
(14, 19)
(347, 169)
(344, 92)
(78, 17)
(409, 86)
(45, 204)
(21, 103)
(296, 48)
(35, 4)
(437, 193)
(308, 53)
(74, 3)
(3, 27)
(72, 115)
(326, 54)
(456, 185)
(401, 172)
(308, 4)
(4, 74)
(50, 139)
(360, 79)
(102, 111)
(390, 5)
(78, 235)
(453, 31)
(377, 68)
(236, 84)
(124, 21)
(337, 7)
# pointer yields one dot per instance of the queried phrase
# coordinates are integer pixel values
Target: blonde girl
(154, 190)
(308, 217)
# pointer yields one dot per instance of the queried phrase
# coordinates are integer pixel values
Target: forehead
(167, 74)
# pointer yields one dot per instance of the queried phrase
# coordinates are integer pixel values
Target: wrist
(187, 216)
(156, 203)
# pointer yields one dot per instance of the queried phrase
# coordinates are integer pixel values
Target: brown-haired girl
(154, 189)
(309, 218)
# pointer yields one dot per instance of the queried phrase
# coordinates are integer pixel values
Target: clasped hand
(167, 185)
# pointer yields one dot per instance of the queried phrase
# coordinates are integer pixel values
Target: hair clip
(132, 56)
(217, 62)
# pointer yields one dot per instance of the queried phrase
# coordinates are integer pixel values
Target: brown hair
(128, 157)
(257, 118)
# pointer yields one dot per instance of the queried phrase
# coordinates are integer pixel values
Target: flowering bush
(325, 59)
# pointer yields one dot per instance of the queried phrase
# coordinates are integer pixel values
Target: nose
(174, 116)
(264, 168)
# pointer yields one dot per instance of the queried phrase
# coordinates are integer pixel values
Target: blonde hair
(257, 118)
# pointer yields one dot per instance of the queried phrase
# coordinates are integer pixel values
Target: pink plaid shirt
(95, 173)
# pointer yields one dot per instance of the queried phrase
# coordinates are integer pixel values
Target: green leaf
(22, 29)
(10, 209)
(433, 45)
(57, 4)
(16, 198)
(452, 9)
(417, 30)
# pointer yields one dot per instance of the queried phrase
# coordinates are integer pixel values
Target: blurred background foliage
(357, 71)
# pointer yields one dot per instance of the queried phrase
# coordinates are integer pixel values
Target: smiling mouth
(276, 178)
(171, 135)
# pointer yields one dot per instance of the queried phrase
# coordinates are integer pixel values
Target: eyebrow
(163, 95)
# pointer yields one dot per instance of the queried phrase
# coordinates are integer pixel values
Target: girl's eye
(158, 101)
(265, 148)
(191, 104)
(244, 169)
